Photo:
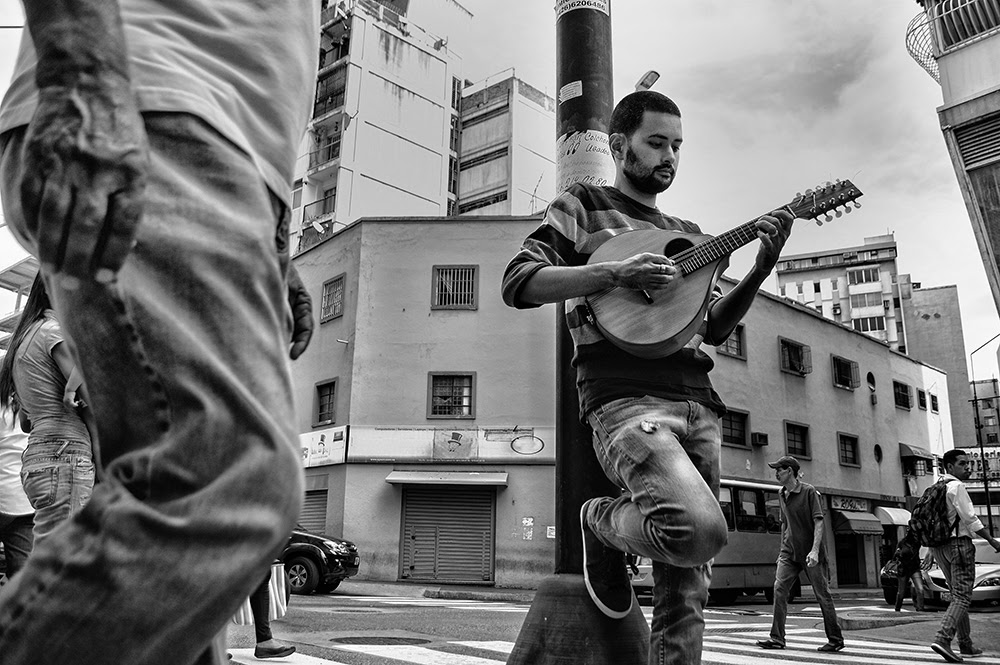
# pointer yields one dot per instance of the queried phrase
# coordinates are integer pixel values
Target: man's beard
(642, 177)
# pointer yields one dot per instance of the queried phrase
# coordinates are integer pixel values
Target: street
(347, 628)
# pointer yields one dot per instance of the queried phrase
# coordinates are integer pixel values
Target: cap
(787, 460)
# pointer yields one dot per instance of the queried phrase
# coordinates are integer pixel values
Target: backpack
(929, 519)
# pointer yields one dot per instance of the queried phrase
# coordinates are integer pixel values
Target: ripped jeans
(185, 356)
(666, 456)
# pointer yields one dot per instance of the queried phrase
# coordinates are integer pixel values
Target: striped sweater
(576, 223)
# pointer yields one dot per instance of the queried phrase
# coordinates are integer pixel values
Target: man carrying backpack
(957, 557)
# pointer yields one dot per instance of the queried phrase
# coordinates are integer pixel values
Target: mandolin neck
(714, 249)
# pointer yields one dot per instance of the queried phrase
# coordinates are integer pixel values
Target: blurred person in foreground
(908, 569)
(16, 513)
(41, 383)
(147, 150)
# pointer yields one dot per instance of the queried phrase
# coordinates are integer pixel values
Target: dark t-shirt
(800, 509)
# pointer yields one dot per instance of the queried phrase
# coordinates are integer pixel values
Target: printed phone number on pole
(563, 6)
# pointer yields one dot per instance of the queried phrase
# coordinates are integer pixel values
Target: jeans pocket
(40, 486)
(83, 481)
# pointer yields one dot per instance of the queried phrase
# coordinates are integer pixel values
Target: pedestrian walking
(909, 570)
(266, 646)
(802, 549)
(39, 381)
(957, 558)
(147, 153)
(16, 513)
(655, 421)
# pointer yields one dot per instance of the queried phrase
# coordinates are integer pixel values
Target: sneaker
(971, 650)
(604, 573)
(944, 650)
(770, 644)
(830, 646)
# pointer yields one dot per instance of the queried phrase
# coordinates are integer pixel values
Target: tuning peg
(857, 204)
(819, 222)
(848, 209)
(827, 217)
(838, 214)
(808, 192)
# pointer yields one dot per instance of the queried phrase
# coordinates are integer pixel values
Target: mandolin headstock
(830, 200)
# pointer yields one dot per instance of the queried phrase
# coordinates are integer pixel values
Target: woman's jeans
(666, 457)
(903, 584)
(185, 360)
(819, 576)
(58, 477)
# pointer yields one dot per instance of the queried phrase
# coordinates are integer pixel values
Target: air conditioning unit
(758, 438)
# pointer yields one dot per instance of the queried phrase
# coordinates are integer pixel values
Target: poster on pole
(584, 157)
(563, 6)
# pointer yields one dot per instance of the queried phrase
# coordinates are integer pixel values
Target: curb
(495, 596)
(867, 621)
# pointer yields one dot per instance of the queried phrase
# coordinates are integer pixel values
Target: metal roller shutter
(447, 533)
(313, 516)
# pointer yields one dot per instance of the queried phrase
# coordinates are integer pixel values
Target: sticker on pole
(583, 157)
(563, 6)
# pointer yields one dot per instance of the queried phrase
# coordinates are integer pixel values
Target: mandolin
(658, 324)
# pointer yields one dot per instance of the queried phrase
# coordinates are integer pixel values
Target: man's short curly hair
(952, 455)
(627, 116)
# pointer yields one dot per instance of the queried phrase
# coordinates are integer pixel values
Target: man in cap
(801, 550)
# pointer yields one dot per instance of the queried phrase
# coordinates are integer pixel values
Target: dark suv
(317, 562)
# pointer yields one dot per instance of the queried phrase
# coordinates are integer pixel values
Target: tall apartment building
(857, 286)
(383, 135)
(427, 409)
(958, 43)
(507, 160)
(397, 131)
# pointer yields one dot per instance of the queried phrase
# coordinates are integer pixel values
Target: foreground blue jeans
(819, 576)
(185, 360)
(957, 560)
(58, 478)
(666, 457)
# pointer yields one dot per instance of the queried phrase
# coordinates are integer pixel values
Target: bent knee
(699, 542)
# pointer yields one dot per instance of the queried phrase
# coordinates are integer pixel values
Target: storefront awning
(852, 521)
(447, 478)
(906, 450)
(892, 516)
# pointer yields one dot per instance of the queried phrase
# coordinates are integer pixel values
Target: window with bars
(451, 395)
(455, 287)
(332, 303)
(797, 439)
(734, 345)
(902, 394)
(796, 358)
(922, 399)
(845, 373)
(326, 401)
(734, 429)
(848, 446)
(934, 403)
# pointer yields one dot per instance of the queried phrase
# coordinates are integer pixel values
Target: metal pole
(979, 439)
(563, 624)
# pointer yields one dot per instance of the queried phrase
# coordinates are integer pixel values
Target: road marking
(412, 654)
(498, 646)
(800, 648)
(246, 657)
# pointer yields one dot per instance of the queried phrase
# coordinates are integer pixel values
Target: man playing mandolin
(656, 420)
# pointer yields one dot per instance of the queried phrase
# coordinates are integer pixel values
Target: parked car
(317, 562)
(986, 588)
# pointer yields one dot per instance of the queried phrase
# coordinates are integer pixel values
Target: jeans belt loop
(62, 448)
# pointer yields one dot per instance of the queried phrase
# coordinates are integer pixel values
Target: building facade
(427, 409)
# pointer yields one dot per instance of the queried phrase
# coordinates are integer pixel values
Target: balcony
(323, 155)
(948, 25)
(318, 212)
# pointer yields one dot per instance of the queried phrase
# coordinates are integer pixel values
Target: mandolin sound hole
(675, 247)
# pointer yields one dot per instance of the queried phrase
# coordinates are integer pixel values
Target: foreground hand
(812, 560)
(645, 271)
(85, 160)
(301, 304)
(773, 230)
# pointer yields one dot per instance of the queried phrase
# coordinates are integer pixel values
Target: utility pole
(563, 624)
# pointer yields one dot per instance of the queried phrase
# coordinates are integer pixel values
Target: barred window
(451, 395)
(848, 445)
(934, 403)
(326, 394)
(902, 394)
(332, 303)
(922, 399)
(845, 373)
(734, 345)
(795, 358)
(797, 439)
(484, 202)
(734, 429)
(455, 287)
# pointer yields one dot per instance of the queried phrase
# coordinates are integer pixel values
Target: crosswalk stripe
(858, 651)
(418, 655)
(498, 646)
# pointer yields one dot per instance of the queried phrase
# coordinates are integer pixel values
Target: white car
(986, 588)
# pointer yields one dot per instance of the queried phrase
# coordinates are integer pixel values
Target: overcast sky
(776, 96)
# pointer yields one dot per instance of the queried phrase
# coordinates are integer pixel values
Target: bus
(747, 564)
